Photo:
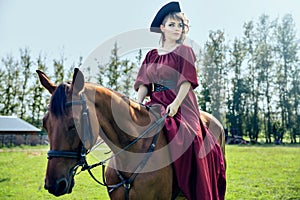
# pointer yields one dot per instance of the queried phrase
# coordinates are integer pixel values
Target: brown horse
(79, 112)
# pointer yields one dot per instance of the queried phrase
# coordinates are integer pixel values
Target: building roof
(12, 124)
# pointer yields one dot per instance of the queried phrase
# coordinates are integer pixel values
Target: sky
(76, 28)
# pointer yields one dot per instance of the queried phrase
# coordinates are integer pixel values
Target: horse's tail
(216, 128)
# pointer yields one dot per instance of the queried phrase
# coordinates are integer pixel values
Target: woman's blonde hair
(185, 29)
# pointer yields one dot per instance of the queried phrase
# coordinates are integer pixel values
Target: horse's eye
(72, 129)
(44, 121)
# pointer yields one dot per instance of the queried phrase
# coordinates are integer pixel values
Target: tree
(113, 73)
(101, 74)
(204, 97)
(58, 66)
(253, 40)
(2, 86)
(295, 96)
(264, 66)
(12, 86)
(39, 100)
(213, 71)
(118, 74)
(235, 115)
(287, 61)
(25, 65)
(248, 41)
(127, 76)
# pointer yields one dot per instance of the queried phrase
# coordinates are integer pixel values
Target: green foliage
(127, 76)
(236, 111)
(287, 49)
(254, 81)
(118, 74)
(11, 89)
(25, 65)
(59, 70)
(37, 106)
(114, 65)
(213, 71)
(20, 89)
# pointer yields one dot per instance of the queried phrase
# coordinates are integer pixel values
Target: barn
(15, 131)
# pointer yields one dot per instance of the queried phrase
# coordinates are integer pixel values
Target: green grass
(22, 177)
(253, 172)
(268, 172)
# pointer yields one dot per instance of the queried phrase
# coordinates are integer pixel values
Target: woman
(168, 75)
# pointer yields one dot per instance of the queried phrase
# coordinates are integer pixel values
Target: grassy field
(253, 172)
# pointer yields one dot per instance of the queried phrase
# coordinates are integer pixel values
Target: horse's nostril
(61, 186)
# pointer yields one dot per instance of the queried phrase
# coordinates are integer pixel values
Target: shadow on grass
(4, 180)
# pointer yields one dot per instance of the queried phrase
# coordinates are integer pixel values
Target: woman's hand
(172, 108)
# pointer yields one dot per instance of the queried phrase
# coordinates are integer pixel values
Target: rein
(81, 156)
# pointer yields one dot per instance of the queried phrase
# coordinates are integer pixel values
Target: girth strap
(126, 183)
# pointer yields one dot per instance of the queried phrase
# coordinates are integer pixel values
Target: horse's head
(63, 123)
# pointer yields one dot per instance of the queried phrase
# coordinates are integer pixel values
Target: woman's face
(172, 29)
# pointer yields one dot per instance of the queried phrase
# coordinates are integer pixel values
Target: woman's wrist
(142, 92)
(183, 90)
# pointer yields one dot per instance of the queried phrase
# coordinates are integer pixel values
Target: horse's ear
(46, 82)
(78, 81)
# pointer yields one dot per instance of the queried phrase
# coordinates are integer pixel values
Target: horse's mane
(58, 100)
(124, 98)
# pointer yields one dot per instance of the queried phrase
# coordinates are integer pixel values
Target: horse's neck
(120, 121)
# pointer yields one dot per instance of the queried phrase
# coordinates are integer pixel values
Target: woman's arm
(173, 107)
(142, 92)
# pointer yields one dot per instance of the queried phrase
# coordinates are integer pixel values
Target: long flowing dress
(197, 158)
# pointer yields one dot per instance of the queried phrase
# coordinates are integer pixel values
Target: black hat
(162, 13)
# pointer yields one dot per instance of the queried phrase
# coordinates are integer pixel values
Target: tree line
(251, 84)
(20, 90)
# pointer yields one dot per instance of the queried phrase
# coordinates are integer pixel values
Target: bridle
(80, 156)
(87, 128)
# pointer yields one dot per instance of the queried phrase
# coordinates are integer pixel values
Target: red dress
(198, 161)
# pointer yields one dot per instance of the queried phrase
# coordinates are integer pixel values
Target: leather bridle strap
(64, 154)
(80, 155)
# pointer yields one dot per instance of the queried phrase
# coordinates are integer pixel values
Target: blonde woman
(168, 75)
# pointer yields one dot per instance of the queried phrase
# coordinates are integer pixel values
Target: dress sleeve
(187, 67)
(142, 77)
